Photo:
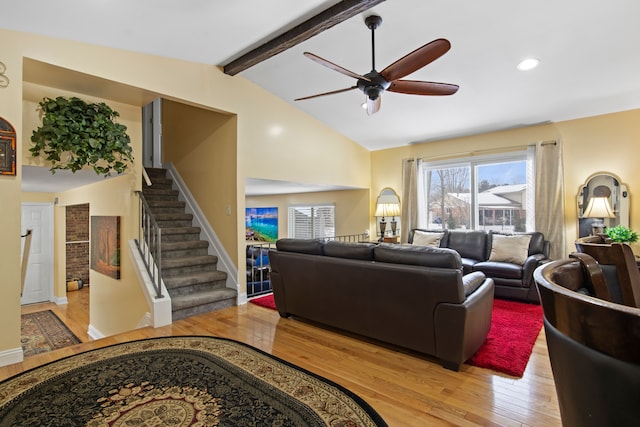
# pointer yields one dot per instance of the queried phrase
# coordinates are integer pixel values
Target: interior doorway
(38, 281)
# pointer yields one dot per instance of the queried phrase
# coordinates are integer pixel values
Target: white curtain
(409, 202)
(549, 195)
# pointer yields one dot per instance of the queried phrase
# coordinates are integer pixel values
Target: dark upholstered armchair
(594, 348)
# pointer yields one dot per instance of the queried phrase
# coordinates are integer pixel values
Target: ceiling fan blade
(373, 106)
(333, 66)
(326, 93)
(415, 87)
(416, 59)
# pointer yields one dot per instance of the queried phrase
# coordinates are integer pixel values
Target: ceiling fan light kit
(373, 84)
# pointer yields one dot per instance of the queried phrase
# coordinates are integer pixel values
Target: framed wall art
(7, 148)
(261, 224)
(105, 245)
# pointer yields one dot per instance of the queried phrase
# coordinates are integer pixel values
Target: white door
(152, 134)
(38, 285)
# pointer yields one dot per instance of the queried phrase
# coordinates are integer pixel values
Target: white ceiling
(590, 61)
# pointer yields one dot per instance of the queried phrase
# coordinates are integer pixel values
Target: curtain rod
(486, 151)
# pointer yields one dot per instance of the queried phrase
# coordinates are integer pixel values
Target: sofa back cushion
(303, 246)
(426, 256)
(469, 244)
(352, 250)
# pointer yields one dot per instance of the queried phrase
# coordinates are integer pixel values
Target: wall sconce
(599, 208)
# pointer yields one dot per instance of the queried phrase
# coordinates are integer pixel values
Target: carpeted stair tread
(184, 245)
(189, 261)
(189, 271)
(173, 216)
(154, 193)
(194, 279)
(201, 298)
(180, 230)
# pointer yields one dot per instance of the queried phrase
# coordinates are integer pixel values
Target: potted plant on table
(75, 134)
(622, 234)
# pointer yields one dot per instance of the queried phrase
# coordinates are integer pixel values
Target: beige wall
(602, 143)
(10, 255)
(352, 208)
(202, 146)
(272, 138)
(115, 305)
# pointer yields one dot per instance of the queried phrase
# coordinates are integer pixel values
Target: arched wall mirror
(603, 200)
(387, 213)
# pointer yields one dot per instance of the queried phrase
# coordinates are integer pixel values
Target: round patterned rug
(178, 381)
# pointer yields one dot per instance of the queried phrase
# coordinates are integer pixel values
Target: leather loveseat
(408, 296)
(509, 259)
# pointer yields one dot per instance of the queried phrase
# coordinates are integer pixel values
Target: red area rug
(265, 301)
(514, 329)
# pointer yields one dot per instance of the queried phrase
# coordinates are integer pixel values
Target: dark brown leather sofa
(512, 280)
(408, 296)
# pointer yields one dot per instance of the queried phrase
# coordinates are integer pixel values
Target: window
(483, 193)
(310, 222)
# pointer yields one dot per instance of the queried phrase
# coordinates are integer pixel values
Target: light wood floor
(407, 390)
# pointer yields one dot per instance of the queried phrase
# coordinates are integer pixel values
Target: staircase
(189, 272)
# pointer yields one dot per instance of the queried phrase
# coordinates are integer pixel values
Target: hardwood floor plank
(406, 389)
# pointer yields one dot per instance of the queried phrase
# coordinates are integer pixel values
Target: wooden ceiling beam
(311, 27)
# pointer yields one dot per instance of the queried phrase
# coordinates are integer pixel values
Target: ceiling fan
(374, 83)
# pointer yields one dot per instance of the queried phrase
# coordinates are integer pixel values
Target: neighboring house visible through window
(310, 222)
(485, 192)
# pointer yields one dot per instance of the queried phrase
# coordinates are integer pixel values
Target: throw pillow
(514, 249)
(425, 238)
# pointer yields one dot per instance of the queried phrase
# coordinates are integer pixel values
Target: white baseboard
(94, 333)
(9, 357)
(60, 300)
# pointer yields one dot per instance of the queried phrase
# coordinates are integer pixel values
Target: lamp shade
(380, 210)
(393, 209)
(598, 207)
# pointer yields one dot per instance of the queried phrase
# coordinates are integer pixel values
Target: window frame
(473, 163)
(291, 229)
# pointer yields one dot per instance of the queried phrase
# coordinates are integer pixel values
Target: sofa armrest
(530, 264)
(472, 281)
(461, 329)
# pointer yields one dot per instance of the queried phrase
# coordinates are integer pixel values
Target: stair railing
(149, 243)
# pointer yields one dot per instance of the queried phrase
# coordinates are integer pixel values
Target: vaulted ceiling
(588, 52)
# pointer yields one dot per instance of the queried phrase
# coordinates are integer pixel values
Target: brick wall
(77, 242)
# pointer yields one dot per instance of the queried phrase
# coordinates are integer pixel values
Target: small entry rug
(514, 329)
(178, 381)
(43, 331)
(265, 301)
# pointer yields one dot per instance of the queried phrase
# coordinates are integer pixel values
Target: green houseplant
(622, 234)
(75, 134)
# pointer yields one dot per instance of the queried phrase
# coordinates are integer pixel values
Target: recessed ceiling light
(528, 64)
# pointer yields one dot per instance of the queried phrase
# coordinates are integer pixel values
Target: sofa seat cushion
(426, 256)
(467, 264)
(503, 270)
